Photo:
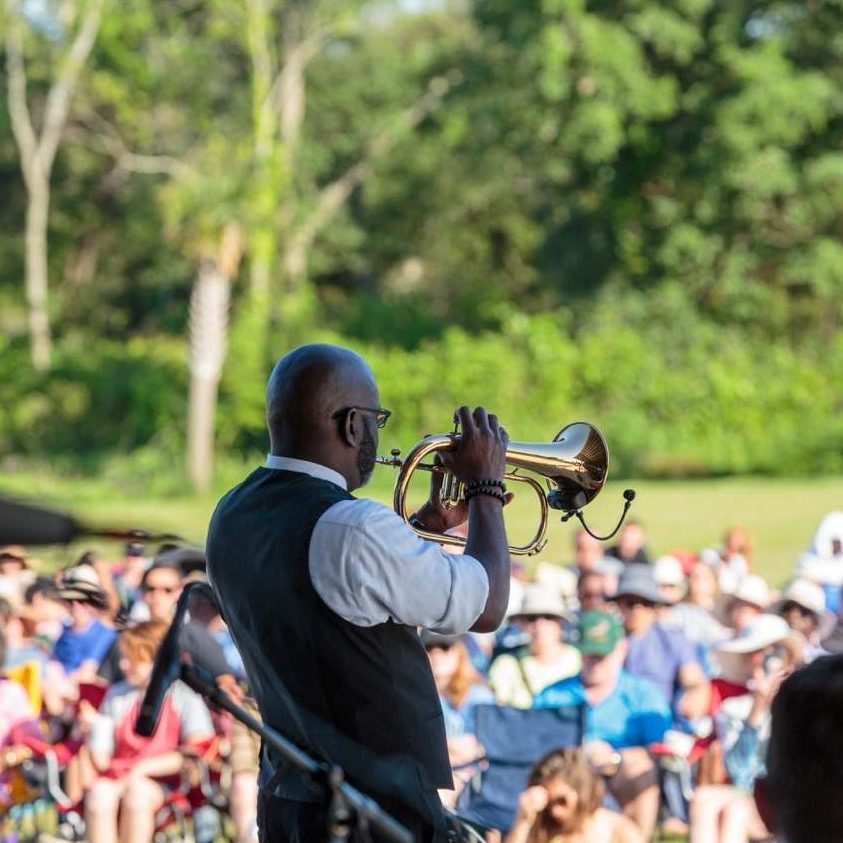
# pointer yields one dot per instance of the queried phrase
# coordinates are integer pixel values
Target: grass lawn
(781, 514)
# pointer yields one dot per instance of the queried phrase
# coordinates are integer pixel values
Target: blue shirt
(634, 714)
(73, 648)
(460, 721)
(658, 655)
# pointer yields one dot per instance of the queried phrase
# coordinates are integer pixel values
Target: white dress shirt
(369, 566)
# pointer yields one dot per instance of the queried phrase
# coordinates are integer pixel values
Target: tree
(38, 147)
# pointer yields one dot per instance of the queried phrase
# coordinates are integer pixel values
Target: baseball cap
(599, 632)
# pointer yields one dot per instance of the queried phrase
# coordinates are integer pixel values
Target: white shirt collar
(314, 469)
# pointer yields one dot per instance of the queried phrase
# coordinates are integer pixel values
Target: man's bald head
(306, 387)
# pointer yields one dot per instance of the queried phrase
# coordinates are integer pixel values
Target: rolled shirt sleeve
(369, 567)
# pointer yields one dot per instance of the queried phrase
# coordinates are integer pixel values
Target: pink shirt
(16, 713)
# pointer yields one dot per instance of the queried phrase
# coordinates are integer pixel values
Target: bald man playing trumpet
(324, 593)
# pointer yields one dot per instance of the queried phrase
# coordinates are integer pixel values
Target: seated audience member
(749, 600)
(160, 590)
(15, 572)
(133, 771)
(22, 648)
(733, 560)
(833, 641)
(763, 653)
(206, 614)
(660, 654)
(17, 720)
(460, 689)
(694, 615)
(823, 561)
(805, 756)
(563, 803)
(86, 640)
(624, 715)
(802, 605)
(589, 556)
(128, 574)
(671, 580)
(44, 611)
(591, 591)
(244, 756)
(517, 677)
(631, 546)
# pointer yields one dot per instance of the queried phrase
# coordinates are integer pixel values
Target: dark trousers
(288, 821)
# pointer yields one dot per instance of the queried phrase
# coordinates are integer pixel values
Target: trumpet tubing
(574, 466)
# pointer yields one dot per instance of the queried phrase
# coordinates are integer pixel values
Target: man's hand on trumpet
(480, 454)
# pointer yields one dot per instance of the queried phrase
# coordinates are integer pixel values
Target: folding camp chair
(513, 741)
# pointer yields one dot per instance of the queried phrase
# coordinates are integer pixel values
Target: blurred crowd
(676, 661)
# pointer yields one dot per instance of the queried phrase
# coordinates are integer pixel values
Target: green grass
(781, 514)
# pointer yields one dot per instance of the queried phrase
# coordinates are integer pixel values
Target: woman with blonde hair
(563, 804)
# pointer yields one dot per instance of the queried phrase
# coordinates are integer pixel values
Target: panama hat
(762, 632)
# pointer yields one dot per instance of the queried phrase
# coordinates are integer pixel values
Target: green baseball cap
(599, 632)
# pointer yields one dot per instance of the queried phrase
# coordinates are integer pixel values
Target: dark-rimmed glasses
(381, 415)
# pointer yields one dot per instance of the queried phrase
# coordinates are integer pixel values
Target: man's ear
(351, 430)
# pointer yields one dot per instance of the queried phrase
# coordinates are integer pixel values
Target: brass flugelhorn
(574, 466)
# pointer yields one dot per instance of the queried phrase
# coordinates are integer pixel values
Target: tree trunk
(208, 328)
(37, 211)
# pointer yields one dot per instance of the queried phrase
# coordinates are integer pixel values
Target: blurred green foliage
(628, 212)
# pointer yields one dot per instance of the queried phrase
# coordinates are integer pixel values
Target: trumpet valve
(452, 490)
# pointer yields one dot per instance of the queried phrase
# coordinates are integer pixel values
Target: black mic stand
(348, 805)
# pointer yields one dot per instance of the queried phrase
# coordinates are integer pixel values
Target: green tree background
(628, 212)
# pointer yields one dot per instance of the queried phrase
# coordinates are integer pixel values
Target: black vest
(364, 696)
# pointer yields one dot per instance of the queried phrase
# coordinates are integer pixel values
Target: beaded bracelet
(491, 491)
(474, 485)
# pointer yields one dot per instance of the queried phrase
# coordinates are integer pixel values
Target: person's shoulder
(358, 512)
(567, 691)
(639, 689)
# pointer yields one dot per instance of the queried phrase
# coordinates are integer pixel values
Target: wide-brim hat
(82, 584)
(15, 552)
(754, 590)
(804, 593)
(637, 580)
(762, 632)
(538, 601)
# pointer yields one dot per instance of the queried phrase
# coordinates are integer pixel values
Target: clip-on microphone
(629, 497)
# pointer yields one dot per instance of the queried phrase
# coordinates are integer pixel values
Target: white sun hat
(762, 632)
(807, 594)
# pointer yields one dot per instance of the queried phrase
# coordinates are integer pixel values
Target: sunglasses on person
(632, 602)
(381, 415)
(534, 618)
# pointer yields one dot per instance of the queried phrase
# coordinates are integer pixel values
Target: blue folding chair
(513, 740)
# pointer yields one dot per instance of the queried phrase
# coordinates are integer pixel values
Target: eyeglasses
(381, 415)
(164, 589)
(632, 602)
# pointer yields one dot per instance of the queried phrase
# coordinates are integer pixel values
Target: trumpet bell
(575, 464)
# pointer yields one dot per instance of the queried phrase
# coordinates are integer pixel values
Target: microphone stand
(347, 803)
